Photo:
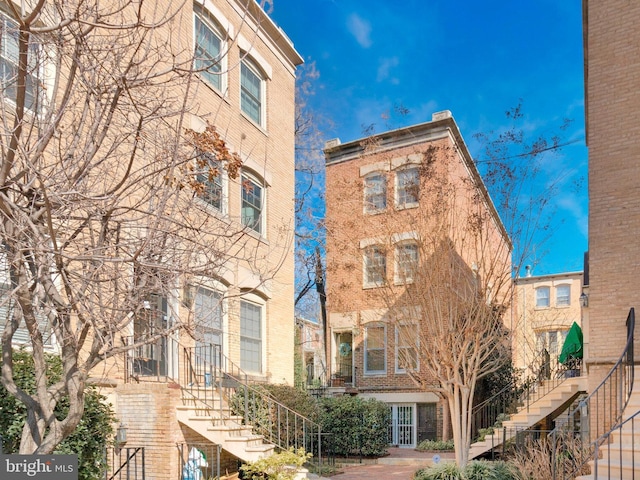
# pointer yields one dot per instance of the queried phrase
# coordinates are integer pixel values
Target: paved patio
(401, 463)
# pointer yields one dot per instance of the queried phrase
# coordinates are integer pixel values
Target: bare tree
(101, 188)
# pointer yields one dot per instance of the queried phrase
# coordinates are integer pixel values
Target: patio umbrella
(572, 347)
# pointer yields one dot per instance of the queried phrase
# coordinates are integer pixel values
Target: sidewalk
(400, 464)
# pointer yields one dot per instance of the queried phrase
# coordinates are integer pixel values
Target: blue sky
(474, 58)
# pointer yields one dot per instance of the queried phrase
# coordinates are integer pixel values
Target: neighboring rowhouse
(149, 209)
(408, 216)
(544, 308)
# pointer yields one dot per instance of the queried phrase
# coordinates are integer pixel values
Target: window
(375, 193)
(251, 91)
(250, 336)
(210, 180)
(375, 266)
(406, 351)
(34, 93)
(374, 350)
(406, 262)
(208, 324)
(407, 187)
(252, 201)
(551, 341)
(542, 297)
(563, 295)
(208, 58)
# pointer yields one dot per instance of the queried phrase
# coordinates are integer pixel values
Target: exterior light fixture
(121, 435)
(584, 300)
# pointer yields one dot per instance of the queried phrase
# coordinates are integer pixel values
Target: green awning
(572, 347)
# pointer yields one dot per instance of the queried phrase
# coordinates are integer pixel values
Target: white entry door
(403, 425)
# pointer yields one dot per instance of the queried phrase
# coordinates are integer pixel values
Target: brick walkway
(400, 464)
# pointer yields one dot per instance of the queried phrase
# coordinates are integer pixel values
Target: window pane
(209, 177)
(375, 349)
(563, 295)
(250, 337)
(251, 204)
(375, 266)
(408, 185)
(207, 54)
(250, 95)
(34, 93)
(407, 255)
(542, 297)
(375, 193)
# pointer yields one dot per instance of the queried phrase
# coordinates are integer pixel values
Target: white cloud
(360, 29)
(384, 69)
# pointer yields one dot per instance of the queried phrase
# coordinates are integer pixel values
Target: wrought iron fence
(125, 464)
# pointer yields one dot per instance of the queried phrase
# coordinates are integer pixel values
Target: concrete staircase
(215, 422)
(551, 404)
(619, 458)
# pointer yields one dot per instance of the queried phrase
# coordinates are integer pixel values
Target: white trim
(368, 372)
(247, 47)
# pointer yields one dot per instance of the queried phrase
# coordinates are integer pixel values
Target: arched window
(209, 55)
(252, 91)
(563, 295)
(253, 201)
(211, 178)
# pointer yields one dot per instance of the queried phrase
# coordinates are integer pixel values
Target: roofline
(548, 276)
(412, 135)
(276, 34)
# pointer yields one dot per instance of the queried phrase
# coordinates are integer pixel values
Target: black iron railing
(220, 385)
(599, 414)
(125, 464)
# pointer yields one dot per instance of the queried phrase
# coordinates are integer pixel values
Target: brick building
(544, 308)
(401, 205)
(221, 63)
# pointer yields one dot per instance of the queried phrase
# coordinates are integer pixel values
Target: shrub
(442, 471)
(479, 470)
(279, 466)
(430, 445)
(90, 437)
(357, 426)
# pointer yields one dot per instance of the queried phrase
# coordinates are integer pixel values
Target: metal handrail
(218, 384)
(549, 375)
(601, 410)
(129, 468)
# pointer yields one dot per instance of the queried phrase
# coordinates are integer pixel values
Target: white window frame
(383, 348)
(404, 269)
(252, 67)
(258, 227)
(401, 190)
(378, 254)
(222, 180)
(254, 302)
(563, 303)
(369, 192)
(222, 305)
(539, 298)
(40, 69)
(209, 22)
(400, 347)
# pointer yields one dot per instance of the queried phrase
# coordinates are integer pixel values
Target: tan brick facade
(612, 70)
(542, 316)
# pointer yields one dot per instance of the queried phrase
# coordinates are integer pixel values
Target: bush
(279, 466)
(357, 426)
(442, 471)
(476, 470)
(90, 437)
(438, 445)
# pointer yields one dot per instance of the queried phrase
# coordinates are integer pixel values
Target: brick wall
(613, 129)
